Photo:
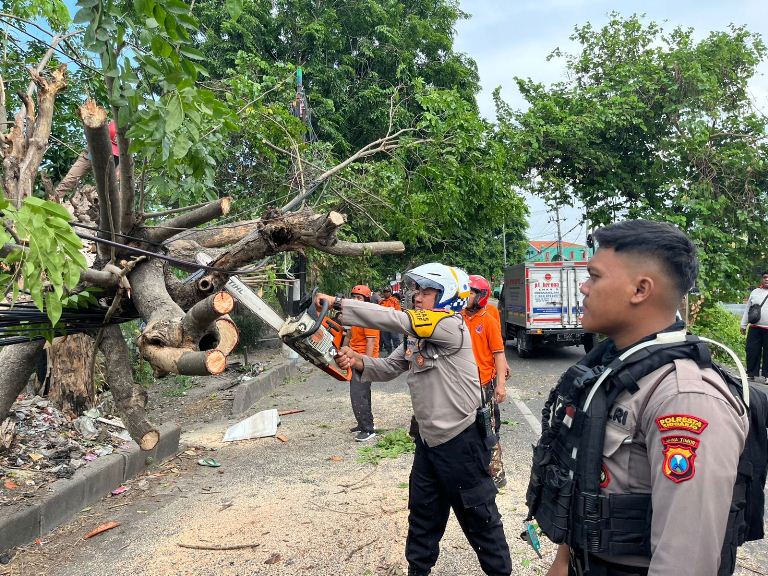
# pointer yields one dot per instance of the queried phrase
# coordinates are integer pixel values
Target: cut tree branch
(200, 215)
(100, 148)
(130, 398)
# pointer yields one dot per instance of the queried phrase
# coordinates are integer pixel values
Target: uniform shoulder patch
(424, 322)
(681, 422)
(605, 476)
(679, 457)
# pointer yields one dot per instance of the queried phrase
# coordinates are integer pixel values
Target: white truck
(541, 304)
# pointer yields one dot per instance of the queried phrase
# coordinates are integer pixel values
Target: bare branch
(39, 128)
(3, 110)
(343, 248)
(195, 217)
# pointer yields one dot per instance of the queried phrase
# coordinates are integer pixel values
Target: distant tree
(655, 124)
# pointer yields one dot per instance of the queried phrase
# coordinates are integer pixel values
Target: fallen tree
(187, 329)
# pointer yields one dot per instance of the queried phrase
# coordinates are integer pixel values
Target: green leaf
(174, 113)
(36, 291)
(52, 308)
(234, 8)
(83, 16)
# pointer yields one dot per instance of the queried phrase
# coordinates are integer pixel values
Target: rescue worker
(488, 347)
(674, 444)
(363, 341)
(450, 467)
(389, 340)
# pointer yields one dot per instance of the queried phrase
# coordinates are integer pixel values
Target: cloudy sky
(509, 38)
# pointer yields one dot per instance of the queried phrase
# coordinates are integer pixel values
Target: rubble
(39, 444)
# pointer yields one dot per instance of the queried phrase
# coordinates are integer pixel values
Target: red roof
(540, 245)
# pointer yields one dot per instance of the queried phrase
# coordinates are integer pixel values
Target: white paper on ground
(260, 425)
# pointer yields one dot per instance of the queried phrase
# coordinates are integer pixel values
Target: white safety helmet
(451, 283)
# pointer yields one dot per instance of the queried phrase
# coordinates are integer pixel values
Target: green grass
(391, 445)
(177, 386)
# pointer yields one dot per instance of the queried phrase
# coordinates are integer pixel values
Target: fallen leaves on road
(10, 485)
(335, 458)
(101, 528)
(281, 437)
(274, 559)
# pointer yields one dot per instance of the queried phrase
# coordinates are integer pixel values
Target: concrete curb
(251, 391)
(22, 523)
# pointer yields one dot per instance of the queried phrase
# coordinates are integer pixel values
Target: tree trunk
(70, 381)
(18, 363)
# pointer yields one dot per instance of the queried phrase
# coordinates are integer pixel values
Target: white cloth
(756, 297)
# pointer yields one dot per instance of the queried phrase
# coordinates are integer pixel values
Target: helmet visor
(416, 282)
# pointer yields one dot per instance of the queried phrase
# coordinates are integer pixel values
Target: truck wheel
(524, 344)
(588, 340)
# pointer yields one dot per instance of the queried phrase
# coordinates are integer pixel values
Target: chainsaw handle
(317, 317)
(307, 301)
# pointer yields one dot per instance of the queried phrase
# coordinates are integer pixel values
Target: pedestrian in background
(363, 341)
(757, 333)
(389, 340)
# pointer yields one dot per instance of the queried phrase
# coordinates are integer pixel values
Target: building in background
(546, 251)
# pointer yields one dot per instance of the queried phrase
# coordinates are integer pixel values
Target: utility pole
(559, 234)
(504, 242)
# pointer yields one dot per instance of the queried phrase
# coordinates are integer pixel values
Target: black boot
(416, 572)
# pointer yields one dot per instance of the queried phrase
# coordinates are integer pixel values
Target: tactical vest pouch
(555, 503)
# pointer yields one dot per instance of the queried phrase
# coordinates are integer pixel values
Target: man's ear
(643, 288)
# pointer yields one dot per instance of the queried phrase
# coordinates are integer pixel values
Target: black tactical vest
(564, 489)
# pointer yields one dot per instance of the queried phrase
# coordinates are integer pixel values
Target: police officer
(450, 468)
(677, 438)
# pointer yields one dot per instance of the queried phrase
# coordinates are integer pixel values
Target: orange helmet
(362, 290)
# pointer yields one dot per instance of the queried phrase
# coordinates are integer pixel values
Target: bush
(717, 323)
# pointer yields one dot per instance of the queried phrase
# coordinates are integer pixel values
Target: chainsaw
(315, 336)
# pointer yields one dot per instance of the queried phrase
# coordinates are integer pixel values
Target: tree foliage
(655, 124)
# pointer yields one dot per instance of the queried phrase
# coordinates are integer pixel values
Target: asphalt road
(303, 506)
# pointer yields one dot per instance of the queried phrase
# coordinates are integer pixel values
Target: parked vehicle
(541, 304)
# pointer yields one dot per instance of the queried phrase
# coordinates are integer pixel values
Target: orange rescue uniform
(358, 339)
(486, 340)
(391, 302)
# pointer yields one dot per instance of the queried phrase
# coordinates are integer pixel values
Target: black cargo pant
(454, 475)
(360, 397)
(757, 351)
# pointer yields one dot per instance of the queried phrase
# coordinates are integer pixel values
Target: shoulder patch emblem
(681, 422)
(424, 322)
(679, 457)
(605, 477)
(479, 329)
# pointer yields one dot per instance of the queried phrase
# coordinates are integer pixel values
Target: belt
(601, 567)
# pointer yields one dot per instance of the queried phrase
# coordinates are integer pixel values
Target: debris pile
(39, 444)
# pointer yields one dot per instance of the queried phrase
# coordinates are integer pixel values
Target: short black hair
(661, 241)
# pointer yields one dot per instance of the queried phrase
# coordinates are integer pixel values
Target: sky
(509, 38)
